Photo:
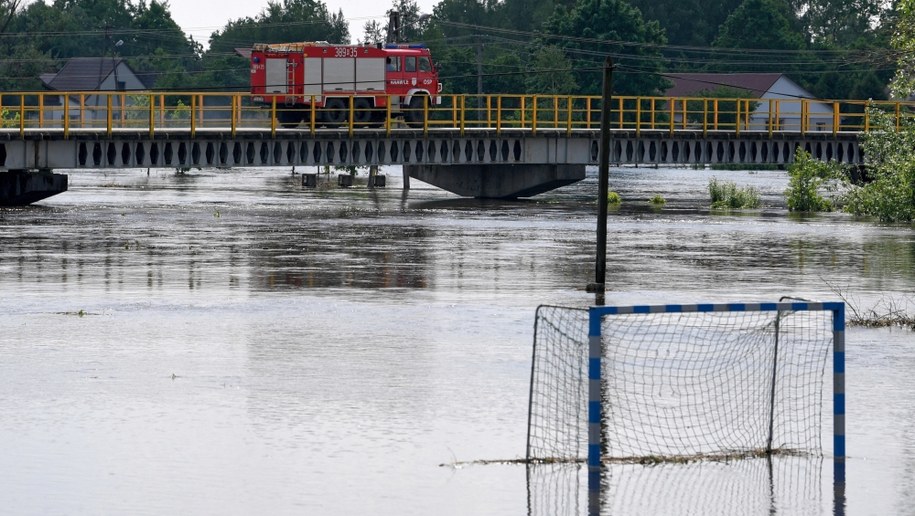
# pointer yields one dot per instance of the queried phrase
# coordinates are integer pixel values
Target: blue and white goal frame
(597, 313)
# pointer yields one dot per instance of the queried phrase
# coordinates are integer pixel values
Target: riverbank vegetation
(889, 193)
(886, 190)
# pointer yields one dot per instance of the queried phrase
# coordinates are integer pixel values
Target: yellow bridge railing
(71, 112)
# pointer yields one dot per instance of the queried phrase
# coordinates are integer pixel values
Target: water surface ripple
(227, 342)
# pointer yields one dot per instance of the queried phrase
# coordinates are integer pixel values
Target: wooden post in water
(373, 172)
(600, 269)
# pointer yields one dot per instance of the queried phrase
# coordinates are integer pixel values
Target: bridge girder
(49, 149)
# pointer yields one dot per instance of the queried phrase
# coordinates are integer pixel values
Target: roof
(687, 84)
(82, 73)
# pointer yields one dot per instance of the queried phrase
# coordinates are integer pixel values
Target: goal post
(713, 380)
(683, 383)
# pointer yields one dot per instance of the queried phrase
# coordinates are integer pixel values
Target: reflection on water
(229, 342)
(781, 485)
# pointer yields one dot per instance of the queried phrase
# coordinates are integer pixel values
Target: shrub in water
(810, 181)
(727, 195)
(614, 198)
(889, 158)
(657, 200)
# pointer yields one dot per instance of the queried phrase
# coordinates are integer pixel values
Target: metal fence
(192, 111)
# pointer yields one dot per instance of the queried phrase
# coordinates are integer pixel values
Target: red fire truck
(293, 75)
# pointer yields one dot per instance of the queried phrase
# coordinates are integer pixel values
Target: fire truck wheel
(335, 112)
(288, 119)
(378, 116)
(413, 115)
(362, 111)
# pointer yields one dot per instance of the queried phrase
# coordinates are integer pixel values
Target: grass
(727, 195)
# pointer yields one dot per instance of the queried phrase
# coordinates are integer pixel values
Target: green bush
(657, 200)
(813, 184)
(727, 195)
(614, 198)
(889, 159)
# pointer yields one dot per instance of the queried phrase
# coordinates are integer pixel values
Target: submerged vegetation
(814, 185)
(890, 165)
(614, 199)
(885, 313)
(727, 195)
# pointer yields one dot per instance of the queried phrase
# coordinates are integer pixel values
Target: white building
(786, 114)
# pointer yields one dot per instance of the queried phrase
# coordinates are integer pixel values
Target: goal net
(681, 383)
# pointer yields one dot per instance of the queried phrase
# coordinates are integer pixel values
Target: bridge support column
(497, 181)
(22, 187)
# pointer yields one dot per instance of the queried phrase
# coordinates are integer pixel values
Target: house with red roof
(81, 76)
(785, 114)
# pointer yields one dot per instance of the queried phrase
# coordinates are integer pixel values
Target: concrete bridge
(499, 150)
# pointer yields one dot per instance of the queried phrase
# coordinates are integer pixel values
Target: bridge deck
(224, 147)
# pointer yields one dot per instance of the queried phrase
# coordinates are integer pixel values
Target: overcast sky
(200, 18)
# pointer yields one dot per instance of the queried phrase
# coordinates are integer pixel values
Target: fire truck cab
(301, 78)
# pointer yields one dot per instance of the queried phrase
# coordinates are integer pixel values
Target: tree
(44, 36)
(680, 22)
(526, 15)
(8, 11)
(840, 22)
(780, 48)
(412, 23)
(462, 18)
(782, 29)
(291, 20)
(596, 28)
(889, 160)
(903, 42)
(550, 73)
(373, 33)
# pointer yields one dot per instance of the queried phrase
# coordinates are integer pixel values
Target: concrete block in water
(344, 180)
(21, 187)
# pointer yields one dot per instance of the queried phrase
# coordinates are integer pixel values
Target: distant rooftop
(86, 74)
(688, 84)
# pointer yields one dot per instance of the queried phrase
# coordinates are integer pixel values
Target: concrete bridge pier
(497, 181)
(23, 187)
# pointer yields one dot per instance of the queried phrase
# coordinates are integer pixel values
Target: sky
(200, 18)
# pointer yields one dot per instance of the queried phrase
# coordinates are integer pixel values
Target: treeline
(834, 48)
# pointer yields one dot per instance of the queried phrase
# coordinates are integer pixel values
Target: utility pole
(479, 66)
(480, 78)
(394, 27)
(600, 268)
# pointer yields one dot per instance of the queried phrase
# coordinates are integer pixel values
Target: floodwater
(228, 342)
